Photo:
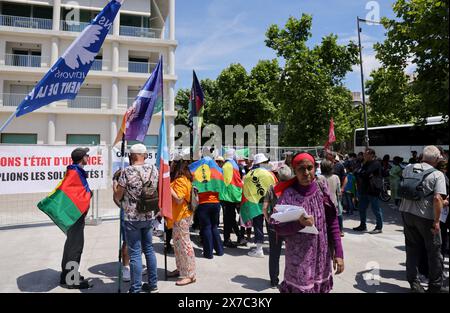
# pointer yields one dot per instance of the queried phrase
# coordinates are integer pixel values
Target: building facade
(35, 33)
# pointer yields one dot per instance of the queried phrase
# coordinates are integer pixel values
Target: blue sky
(212, 34)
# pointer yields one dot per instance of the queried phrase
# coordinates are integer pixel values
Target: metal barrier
(25, 22)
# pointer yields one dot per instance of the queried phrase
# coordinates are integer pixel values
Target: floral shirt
(132, 180)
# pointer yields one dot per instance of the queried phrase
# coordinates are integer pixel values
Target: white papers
(290, 213)
(444, 214)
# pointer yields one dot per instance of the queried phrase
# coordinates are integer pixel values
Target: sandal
(174, 273)
(186, 281)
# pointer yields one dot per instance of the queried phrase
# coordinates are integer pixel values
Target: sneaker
(146, 288)
(243, 242)
(126, 276)
(273, 285)
(229, 244)
(376, 231)
(360, 228)
(342, 234)
(416, 288)
(256, 253)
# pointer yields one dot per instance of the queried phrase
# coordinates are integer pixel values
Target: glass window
(149, 141)
(130, 20)
(16, 9)
(19, 138)
(40, 11)
(76, 139)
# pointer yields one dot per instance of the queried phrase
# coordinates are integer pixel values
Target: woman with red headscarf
(309, 257)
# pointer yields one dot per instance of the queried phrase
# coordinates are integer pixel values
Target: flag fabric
(148, 101)
(256, 184)
(207, 175)
(196, 100)
(331, 135)
(233, 183)
(64, 79)
(70, 200)
(164, 193)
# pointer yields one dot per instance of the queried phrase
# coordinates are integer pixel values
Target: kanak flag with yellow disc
(233, 182)
(207, 176)
(256, 184)
(70, 200)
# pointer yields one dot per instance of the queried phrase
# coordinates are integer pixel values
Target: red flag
(165, 195)
(331, 135)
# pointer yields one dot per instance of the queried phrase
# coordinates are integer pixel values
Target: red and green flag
(69, 201)
(233, 182)
(256, 184)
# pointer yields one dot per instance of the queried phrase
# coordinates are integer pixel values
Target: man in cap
(73, 248)
(138, 224)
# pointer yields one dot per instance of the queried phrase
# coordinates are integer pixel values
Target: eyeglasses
(305, 168)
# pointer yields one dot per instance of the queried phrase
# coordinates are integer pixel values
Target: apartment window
(149, 141)
(19, 138)
(134, 20)
(77, 139)
(26, 10)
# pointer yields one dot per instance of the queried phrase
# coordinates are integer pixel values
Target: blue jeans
(258, 226)
(349, 206)
(208, 215)
(139, 237)
(364, 202)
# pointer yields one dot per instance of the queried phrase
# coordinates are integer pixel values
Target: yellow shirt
(182, 187)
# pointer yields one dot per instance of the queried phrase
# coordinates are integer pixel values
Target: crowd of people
(327, 187)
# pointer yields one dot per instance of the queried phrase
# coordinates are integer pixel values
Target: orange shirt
(208, 197)
(182, 187)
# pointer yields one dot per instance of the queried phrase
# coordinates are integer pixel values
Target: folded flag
(207, 175)
(233, 182)
(69, 201)
(256, 184)
(164, 193)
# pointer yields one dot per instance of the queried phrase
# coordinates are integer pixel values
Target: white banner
(117, 158)
(30, 169)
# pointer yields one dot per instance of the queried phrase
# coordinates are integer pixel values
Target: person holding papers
(309, 258)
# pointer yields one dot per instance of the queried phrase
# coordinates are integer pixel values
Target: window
(74, 139)
(149, 141)
(19, 138)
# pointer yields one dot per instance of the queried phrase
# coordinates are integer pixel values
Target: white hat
(230, 154)
(259, 158)
(138, 148)
(220, 158)
(337, 157)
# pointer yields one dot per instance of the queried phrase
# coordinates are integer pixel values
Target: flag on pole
(64, 79)
(196, 104)
(331, 135)
(164, 193)
(149, 100)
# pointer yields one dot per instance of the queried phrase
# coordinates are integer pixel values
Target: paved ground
(31, 257)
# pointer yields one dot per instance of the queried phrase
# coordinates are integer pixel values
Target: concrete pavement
(31, 256)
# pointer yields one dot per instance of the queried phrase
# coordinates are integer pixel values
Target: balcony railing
(12, 99)
(140, 32)
(97, 65)
(76, 26)
(24, 60)
(141, 67)
(25, 22)
(81, 102)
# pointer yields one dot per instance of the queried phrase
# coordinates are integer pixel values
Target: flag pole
(165, 225)
(8, 121)
(122, 165)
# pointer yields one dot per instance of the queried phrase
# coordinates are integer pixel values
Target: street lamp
(366, 130)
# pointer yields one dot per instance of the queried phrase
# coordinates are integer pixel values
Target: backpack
(375, 185)
(148, 199)
(411, 186)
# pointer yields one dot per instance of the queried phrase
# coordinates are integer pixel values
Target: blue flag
(149, 99)
(64, 79)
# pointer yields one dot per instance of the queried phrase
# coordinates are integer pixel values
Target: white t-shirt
(433, 184)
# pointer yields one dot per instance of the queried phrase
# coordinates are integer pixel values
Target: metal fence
(25, 22)
(21, 209)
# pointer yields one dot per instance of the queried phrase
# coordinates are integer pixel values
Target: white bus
(400, 140)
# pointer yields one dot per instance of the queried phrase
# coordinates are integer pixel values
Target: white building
(34, 33)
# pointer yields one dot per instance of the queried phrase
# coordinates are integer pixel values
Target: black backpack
(148, 199)
(411, 187)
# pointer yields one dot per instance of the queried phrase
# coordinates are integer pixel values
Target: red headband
(302, 156)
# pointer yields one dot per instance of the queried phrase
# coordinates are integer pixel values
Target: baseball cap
(78, 154)
(138, 148)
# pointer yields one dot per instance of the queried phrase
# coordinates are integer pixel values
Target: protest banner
(30, 169)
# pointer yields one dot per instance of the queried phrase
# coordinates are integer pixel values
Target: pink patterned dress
(308, 266)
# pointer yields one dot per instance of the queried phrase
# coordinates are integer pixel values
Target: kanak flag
(164, 194)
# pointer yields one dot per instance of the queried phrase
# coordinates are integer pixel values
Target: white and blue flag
(64, 79)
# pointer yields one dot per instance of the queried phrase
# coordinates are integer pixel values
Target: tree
(419, 35)
(310, 90)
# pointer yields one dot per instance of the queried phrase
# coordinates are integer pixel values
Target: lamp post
(366, 130)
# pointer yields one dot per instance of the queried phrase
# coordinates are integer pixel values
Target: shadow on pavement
(373, 285)
(252, 283)
(39, 281)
